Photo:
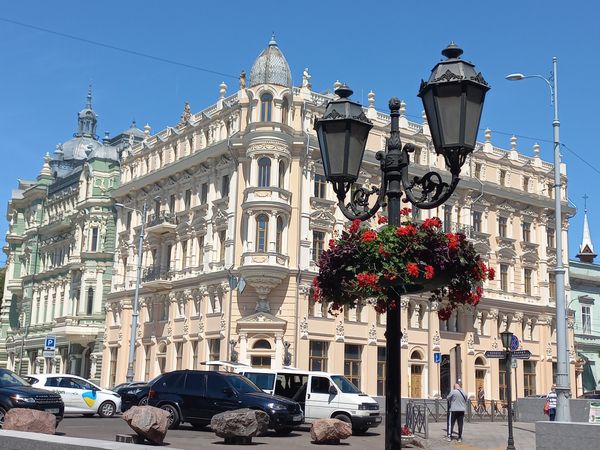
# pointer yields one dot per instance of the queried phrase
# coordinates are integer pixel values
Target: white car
(79, 395)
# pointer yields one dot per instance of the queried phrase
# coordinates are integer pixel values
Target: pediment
(261, 320)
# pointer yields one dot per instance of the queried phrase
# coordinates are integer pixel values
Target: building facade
(236, 195)
(585, 308)
(60, 252)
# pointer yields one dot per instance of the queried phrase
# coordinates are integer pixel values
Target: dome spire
(271, 67)
(273, 42)
(87, 120)
(586, 249)
(88, 102)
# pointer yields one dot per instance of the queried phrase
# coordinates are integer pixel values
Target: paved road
(477, 436)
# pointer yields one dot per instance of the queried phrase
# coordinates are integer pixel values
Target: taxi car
(79, 395)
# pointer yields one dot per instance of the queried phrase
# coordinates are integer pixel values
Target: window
(285, 111)
(502, 379)
(381, 359)
(147, 362)
(550, 190)
(188, 199)
(90, 302)
(476, 216)
(279, 236)
(550, 237)
(319, 385)
(225, 186)
(264, 172)
(318, 244)
(204, 193)
(222, 237)
(94, 240)
(552, 286)
(281, 181)
(128, 221)
(216, 386)
(417, 156)
(526, 231)
(586, 320)
(529, 378)
(352, 363)
(169, 251)
(261, 361)
(477, 170)
(525, 184)
(194, 355)
(503, 178)
(262, 224)
(527, 281)
(320, 186)
(504, 277)
(317, 359)
(113, 366)
(200, 250)
(266, 105)
(178, 355)
(502, 226)
(157, 207)
(214, 350)
(172, 199)
(183, 255)
(447, 218)
(164, 310)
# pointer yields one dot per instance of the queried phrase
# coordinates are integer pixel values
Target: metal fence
(436, 410)
(417, 419)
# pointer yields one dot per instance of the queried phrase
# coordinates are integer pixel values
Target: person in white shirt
(457, 400)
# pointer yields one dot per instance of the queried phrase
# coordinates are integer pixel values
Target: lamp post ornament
(454, 90)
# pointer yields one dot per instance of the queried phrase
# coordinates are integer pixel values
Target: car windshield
(262, 380)
(9, 379)
(345, 385)
(243, 385)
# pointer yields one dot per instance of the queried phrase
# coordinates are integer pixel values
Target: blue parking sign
(50, 343)
(437, 357)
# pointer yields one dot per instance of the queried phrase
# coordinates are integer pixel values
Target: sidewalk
(483, 436)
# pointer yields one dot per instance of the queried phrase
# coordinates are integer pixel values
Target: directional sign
(49, 353)
(521, 354)
(437, 357)
(494, 354)
(514, 343)
(50, 343)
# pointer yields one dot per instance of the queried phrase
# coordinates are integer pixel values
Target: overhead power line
(116, 48)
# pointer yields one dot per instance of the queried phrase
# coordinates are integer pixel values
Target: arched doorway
(416, 374)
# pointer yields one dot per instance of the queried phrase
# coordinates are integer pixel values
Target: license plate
(377, 419)
(52, 410)
(297, 418)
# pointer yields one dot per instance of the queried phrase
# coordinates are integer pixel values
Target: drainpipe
(237, 185)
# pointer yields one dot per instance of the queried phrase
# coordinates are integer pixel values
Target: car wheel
(107, 409)
(2, 414)
(344, 418)
(283, 431)
(173, 415)
(143, 401)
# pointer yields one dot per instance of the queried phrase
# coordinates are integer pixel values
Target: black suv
(195, 396)
(133, 394)
(15, 392)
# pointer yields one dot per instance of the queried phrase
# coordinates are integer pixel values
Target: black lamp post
(506, 340)
(453, 100)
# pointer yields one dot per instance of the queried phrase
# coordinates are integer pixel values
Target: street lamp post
(453, 99)
(136, 296)
(563, 388)
(506, 340)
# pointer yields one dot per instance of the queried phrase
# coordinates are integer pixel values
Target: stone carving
(169, 328)
(471, 344)
(373, 335)
(223, 323)
(304, 328)
(404, 303)
(548, 352)
(242, 80)
(187, 113)
(186, 326)
(404, 338)
(306, 79)
(339, 332)
(518, 316)
(200, 324)
(495, 344)
(436, 341)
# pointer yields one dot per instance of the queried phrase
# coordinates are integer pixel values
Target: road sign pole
(508, 361)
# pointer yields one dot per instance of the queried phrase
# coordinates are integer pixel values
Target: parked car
(15, 392)
(134, 394)
(194, 396)
(79, 395)
(321, 395)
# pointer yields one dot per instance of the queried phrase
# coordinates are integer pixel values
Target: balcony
(156, 278)
(78, 326)
(269, 196)
(15, 285)
(161, 223)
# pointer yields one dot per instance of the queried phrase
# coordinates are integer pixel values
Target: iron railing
(416, 419)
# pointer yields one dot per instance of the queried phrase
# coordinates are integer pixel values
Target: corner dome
(271, 67)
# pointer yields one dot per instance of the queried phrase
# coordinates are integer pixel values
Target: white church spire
(586, 249)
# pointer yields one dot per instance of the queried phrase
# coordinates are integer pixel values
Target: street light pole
(563, 388)
(507, 337)
(136, 296)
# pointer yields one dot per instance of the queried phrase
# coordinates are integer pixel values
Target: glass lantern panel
(359, 133)
(335, 136)
(449, 100)
(474, 96)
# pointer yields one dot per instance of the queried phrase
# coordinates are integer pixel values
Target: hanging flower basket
(364, 264)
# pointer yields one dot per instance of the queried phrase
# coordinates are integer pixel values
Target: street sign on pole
(514, 343)
(49, 353)
(514, 365)
(437, 357)
(50, 343)
(495, 354)
(521, 354)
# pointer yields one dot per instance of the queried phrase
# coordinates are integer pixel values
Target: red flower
(491, 273)
(355, 226)
(405, 211)
(369, 236)
(382, 252)
(331, 243)
(407, 230)
(429, 272)
(412, 269)
(431, 223)
(367, 279)
(453, 241)
(382, 219)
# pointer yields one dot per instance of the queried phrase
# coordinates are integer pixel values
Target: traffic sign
(437, 357)
(49, 353)
(494, 354)
(513, 363)
(521, 354)
(514, 343)
(50, 343)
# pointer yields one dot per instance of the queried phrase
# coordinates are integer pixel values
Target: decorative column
(97, 304)
(279, 351)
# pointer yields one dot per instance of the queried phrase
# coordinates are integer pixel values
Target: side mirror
(228, 392)
(332, 390)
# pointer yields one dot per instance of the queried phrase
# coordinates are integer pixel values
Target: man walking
(457, 399)
(551, 399)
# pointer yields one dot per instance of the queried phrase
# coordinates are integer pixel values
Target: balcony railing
(161, 218)
(156, 273)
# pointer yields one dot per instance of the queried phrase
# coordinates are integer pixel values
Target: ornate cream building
(236, 190)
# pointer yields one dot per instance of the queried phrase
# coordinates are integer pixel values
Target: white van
(322, 395)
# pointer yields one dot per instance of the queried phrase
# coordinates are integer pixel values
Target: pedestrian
(480, 400)
(458, 405)
(551, 399)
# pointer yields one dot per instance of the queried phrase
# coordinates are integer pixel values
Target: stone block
(239, 426)
(31, 420)
(330, 431)
(149, 422)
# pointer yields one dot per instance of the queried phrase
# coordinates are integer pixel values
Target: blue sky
(384, 46)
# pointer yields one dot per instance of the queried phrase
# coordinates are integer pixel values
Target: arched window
(90, 302)
(266, 105)
(262, 344)
(262, 224)
(264, 172)
(416, 355)
(279, 237)
(479, 361)
(285, 111)
(281, 182)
